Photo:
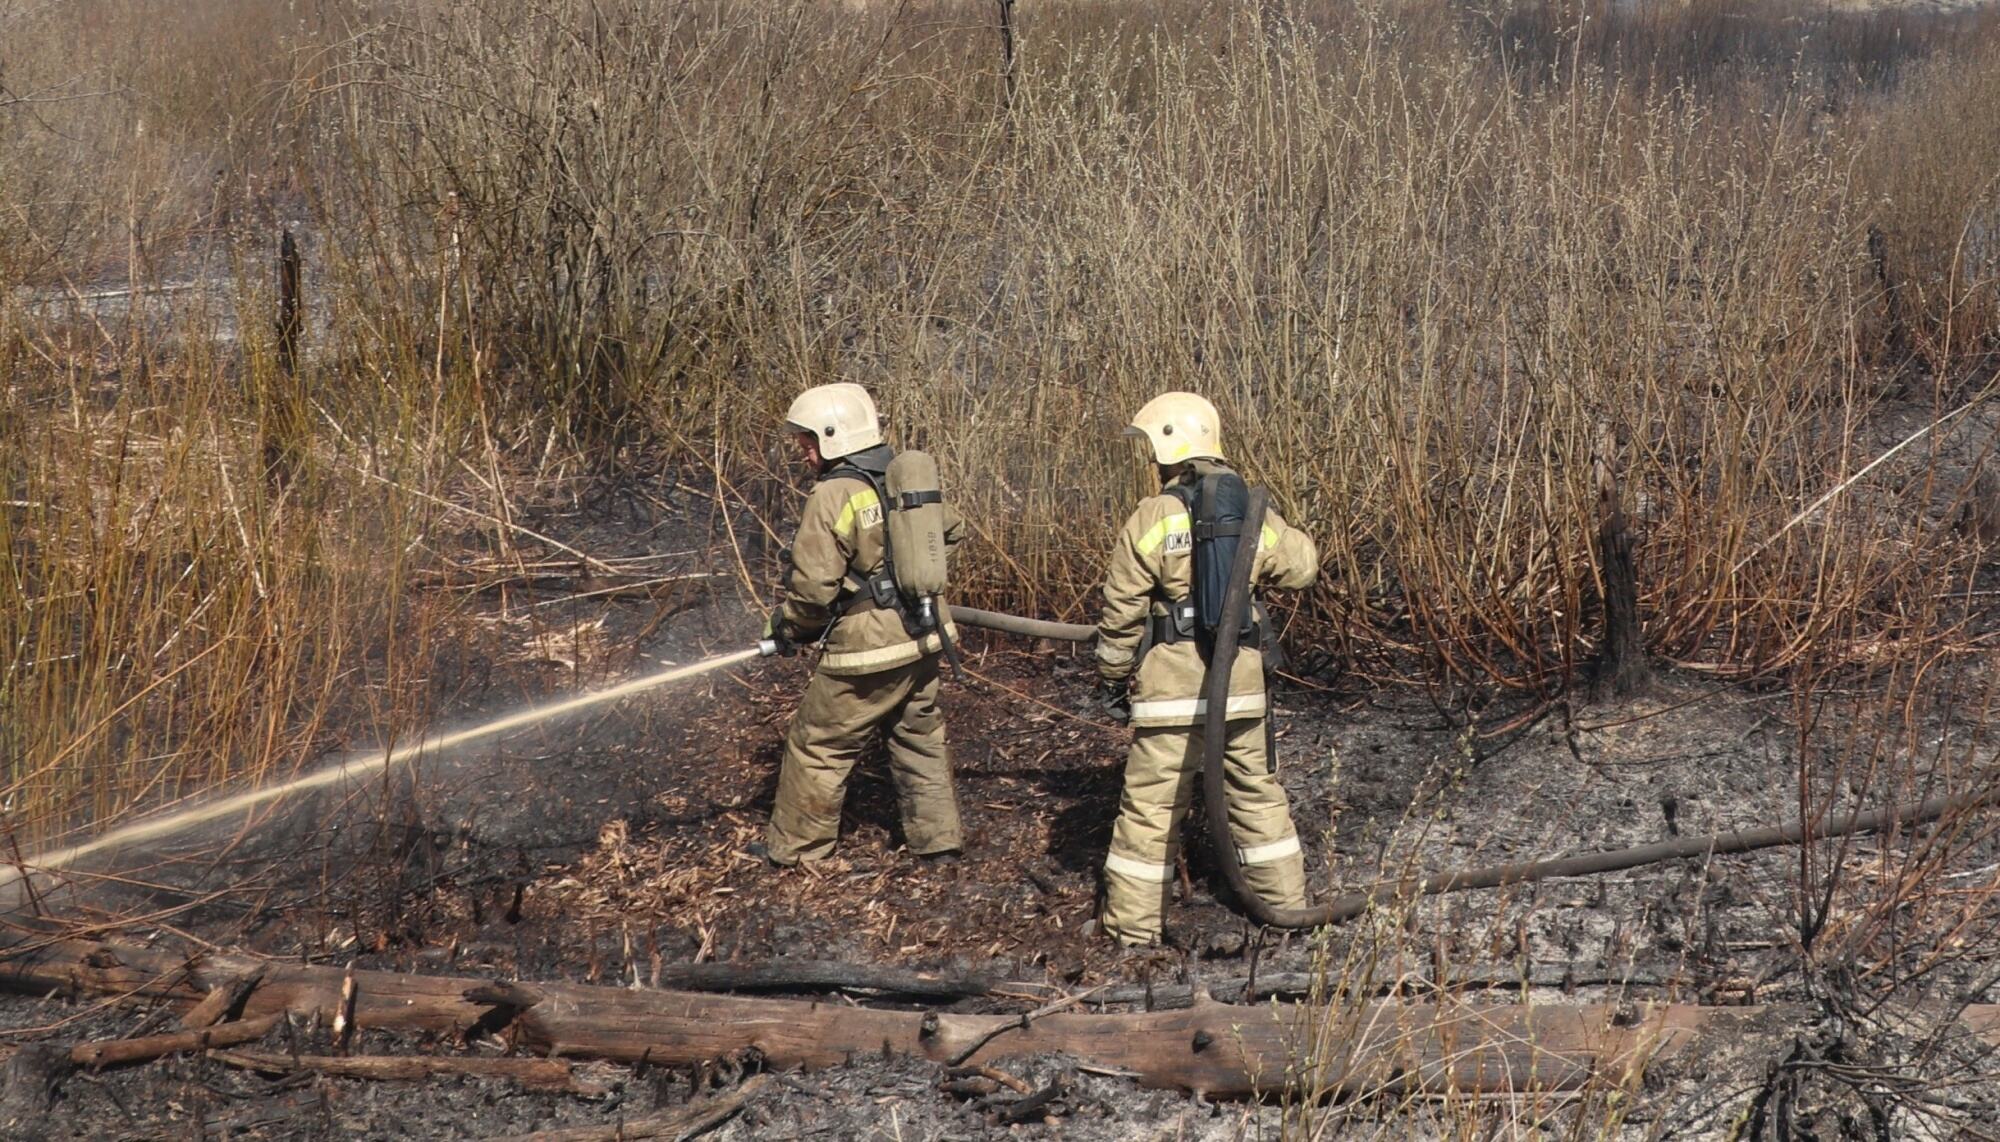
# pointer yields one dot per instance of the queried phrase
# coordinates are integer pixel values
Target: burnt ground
(607, 846)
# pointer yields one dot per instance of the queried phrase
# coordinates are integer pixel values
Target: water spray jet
(360, 767)
(373, 762)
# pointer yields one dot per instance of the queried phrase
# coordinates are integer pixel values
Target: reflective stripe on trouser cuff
(1241, 704)
(1265, 854)
(1136, 869)
(885, 657)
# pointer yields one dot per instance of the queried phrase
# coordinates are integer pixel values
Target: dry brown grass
(171, 620)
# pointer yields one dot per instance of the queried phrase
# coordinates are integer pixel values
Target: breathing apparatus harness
(913, 573)
(1216, 503)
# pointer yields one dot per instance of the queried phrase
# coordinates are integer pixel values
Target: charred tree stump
(1896, 342)
(289, 268)
(1621, 666)
(283, 420)
(1978, 516)
(1007, 78)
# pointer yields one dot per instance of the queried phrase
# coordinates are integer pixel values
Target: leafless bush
(612, 185)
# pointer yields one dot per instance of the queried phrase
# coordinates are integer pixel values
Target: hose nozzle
(767, 647)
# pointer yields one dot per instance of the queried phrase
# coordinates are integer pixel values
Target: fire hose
(996, 621)
(1215, 695)
(1028, 628)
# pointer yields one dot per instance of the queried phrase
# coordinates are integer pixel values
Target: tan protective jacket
(841, 531)
(1152, 564)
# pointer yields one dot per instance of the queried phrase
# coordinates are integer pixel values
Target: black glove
(1116, 698)
(780, 632)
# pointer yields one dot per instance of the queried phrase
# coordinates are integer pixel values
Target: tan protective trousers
(836, 720)
(1160, 773)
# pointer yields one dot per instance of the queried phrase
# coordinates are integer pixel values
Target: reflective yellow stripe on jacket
(1176, 533)
(1175, 527)
(885, 657)
(863, 507)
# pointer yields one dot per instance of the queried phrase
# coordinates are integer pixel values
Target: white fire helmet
(1180, 426)
(841, 417)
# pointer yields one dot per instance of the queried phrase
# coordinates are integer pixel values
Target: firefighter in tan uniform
(874, 676)
(1146, 593)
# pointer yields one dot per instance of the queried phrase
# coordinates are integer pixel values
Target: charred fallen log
(535, 1074)
(1885, 819)
(115, 1052)
(1210, 1048)
(822, 975)
(223, 1000)
(1292, 985)
(796, 977)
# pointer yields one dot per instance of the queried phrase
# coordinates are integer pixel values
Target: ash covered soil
(612, 847)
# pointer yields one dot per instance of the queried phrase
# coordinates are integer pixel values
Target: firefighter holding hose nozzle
(866, 573)
(1163, 594)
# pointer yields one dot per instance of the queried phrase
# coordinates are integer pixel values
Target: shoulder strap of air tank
(859, 586)
(881, 497)
(842, 470)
